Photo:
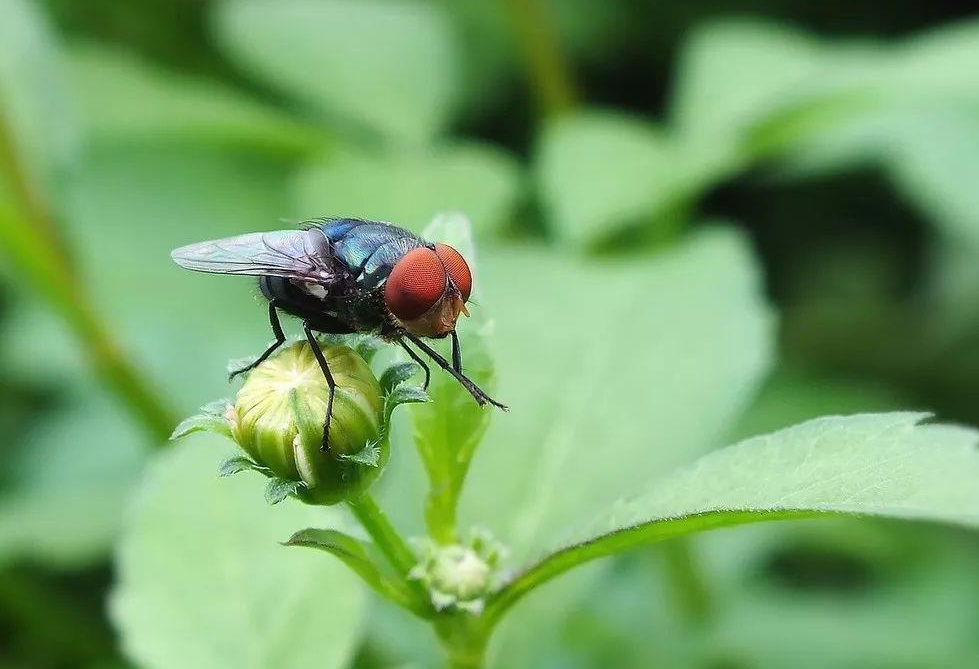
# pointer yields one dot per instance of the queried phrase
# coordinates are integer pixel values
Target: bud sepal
(460, 576)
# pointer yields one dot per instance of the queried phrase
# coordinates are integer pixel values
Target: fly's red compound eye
(457, 267)
(415, 284)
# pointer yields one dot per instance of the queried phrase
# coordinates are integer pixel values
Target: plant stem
(545, 64)
(464, 638)
(384, 534)
(687, 581)
(28, 235)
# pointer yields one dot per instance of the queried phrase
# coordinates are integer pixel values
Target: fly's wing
(292, 254)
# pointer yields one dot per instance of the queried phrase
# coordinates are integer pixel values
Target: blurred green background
(697, 221)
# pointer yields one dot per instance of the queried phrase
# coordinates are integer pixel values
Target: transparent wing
(293, 254)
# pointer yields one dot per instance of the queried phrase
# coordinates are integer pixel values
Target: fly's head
(427, 290)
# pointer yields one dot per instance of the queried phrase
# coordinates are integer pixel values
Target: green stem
(464, 638)
(545, 64)
(28, 235)
(687, 582)
(384, 534)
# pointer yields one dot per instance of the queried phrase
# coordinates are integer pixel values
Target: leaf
(35, 107)
(386, 65)
(211, 418)
(411, 186)
(601, 172)
(405, 395)
(370, 456)
(867, 464)
(278, 489)
(448, 429)
(240, 463)
(358, 557)
(123, 98)
(397, 374)
(203, 581)
(613, 372)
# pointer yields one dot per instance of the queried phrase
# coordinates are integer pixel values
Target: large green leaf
(613, 372)
(868, 464)
(123, 99)
(204, 582)
(387, 65)
(409, 187)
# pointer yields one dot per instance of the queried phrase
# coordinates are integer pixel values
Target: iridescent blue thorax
(369, 249)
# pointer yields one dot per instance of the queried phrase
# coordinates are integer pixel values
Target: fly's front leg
(417, 358)
(280, 339)
(474, 390)
(321, 359)
(456, 353)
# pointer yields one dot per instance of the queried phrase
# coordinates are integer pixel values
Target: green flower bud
(278, 417)
(460, 576)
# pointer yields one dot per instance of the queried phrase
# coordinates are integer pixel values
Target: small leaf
(278, 489)
(370, 456)
(367, 347)
(240, 463)
(406, 395)
(359, 557)
(397, 374)
(210, 418)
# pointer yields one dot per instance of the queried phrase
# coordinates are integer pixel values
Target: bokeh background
(697, 221)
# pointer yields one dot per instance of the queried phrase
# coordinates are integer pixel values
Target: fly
(348, 275)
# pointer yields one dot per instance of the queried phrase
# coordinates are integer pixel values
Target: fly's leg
(280, 339)
(456, 353)
(474, 390)
(417, 358)
(321, 359)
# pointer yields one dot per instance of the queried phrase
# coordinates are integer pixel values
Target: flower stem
(384, 534)
(688, 583)
(547, 69)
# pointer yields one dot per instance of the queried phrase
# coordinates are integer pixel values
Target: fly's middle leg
(280, 339)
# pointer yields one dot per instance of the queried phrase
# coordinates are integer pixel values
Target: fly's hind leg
(321, 359)
(280, 339)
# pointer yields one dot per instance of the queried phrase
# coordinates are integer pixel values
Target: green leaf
(210, 419)
(360, 558)
(411, 186)
(203, 581)
(386, 65)
(448, 429)
(405, 395)
(278, 489)
(886, 465)
(123, 98)
(613, 372)
(35, 109)
(370, 456)
(240, 463)
(397, 374)
(600, 172)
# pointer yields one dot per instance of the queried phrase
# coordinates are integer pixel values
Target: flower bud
(279, 413)
(460, 576)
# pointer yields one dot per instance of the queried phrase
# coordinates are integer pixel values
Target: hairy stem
(29, 236)
(545, 64)
(384, 534)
